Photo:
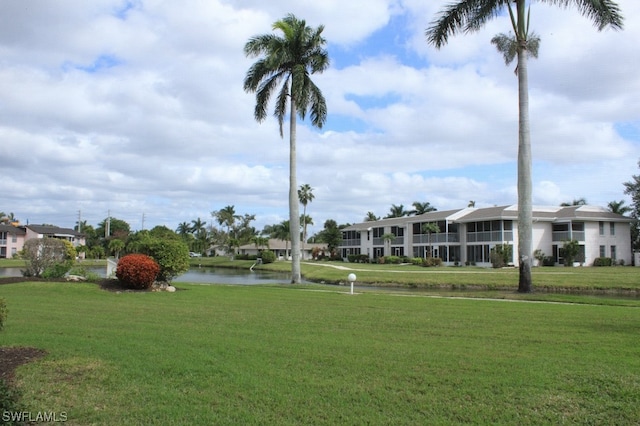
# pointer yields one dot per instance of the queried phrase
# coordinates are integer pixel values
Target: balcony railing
(441, 237)
(350, 242)
(397, 241)
(568, 235)
(489, 236)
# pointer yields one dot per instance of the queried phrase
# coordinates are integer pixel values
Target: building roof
(10, 229)
(540, 213)
(53, 230)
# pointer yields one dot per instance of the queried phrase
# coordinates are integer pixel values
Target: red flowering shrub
(137, 271)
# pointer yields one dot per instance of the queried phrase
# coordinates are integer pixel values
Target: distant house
(469, 235)
(12, 238)
(282, 249)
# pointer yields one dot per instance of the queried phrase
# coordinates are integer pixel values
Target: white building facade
(468, 236)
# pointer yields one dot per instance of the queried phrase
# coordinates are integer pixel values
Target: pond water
(201, 275)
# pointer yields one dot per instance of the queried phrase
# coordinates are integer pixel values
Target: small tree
(430, 228)
(539, 256)
(571, 250)
(171, 255)
(46, 254)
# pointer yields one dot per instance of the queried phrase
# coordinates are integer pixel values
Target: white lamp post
(351, 278)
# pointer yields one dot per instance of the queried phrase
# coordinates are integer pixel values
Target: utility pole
(79, 221)
(107, 228)
(143, 221)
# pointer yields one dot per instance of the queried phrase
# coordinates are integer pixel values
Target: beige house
(282, 249)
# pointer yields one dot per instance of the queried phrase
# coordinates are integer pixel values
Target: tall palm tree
(421, 208)
(226, 217)
(305, 195)
(289, 59)
(471, 15)
(184, 229)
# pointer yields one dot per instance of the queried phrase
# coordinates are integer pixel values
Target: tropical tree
(396, 211)
(618, 207)
(388, 239)
(116, 245)
(430, 228)
(331, 236)
(421, 208)
(371, 217)
(184, 228)
(305, 220)
(289, 59)
(470, 16)
(280, 231)
(576, 202)
(305, 195)
(226, 217)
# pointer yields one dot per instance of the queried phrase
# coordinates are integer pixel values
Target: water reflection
(200, 275)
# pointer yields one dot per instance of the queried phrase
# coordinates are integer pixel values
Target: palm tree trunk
(525, 223)
(304, 229)
(294, 210)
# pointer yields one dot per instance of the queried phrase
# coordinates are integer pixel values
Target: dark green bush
(548, 261)
(268, 256)
(432, 261)
(137, 271)
(602, 261)
(358, 258)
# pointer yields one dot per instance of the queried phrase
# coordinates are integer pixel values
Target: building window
(398, 231)
(612, 228)
(602, 251)
(601, 227)
(613, 253)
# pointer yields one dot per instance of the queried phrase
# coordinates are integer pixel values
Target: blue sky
(136, 108)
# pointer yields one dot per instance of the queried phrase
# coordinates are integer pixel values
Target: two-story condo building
(12, 238)
(468, 235)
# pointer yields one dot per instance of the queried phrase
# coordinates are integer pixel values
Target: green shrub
(137, 271)
(57, 270)
(432, 261)
(171, 255)
(3, 313)
(501, 255)
(416, 261)
(548, 261)
(393, 259)
(602, 261)
(268, 256)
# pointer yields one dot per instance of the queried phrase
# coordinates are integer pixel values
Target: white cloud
(141, 110)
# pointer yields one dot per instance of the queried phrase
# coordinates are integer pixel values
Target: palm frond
(603, 13)
(465, 15)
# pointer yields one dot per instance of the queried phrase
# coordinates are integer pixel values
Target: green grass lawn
(212, 354)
